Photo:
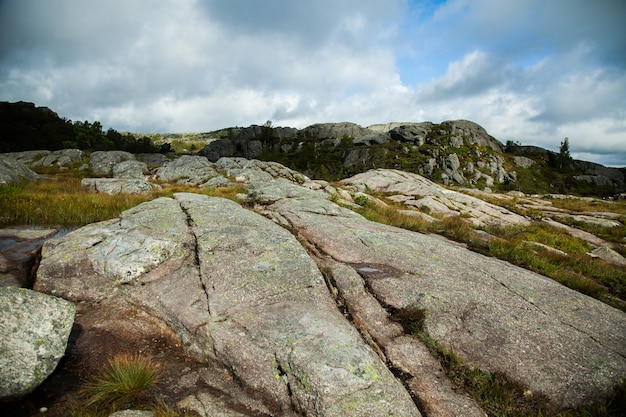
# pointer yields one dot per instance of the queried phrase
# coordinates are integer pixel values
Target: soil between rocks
(102, 331)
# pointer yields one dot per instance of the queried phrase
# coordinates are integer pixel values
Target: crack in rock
(196, 255)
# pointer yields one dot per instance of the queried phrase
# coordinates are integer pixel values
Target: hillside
(457, 152)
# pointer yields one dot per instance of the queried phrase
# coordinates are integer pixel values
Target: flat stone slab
(496, 316)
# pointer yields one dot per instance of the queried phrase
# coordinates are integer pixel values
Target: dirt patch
(100, 332)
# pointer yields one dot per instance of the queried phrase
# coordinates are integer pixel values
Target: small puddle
(20, 246)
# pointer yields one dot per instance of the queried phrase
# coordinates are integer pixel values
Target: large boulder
(12, 171)
(102, 162)
(63, 157)
(237, 289)
(34, 330)
(414, 133)
(190, 170)
(130, 169)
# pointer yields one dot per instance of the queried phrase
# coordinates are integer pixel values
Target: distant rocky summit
(456, 152)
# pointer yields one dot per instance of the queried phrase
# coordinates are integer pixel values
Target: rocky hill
(456, 152)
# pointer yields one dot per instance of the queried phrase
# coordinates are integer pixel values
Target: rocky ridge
(299, 311)
(456, 152)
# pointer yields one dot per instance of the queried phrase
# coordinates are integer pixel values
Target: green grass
(59, 202)
(63, 202)
(125, 381)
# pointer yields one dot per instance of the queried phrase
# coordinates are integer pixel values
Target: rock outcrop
(303, 316)
(236, 288)
(34, 329)
(289, 304)
(460, 292)
(457, 151)
(12, 171)
(416, 191)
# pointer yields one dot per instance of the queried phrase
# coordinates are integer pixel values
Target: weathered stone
(63, 157)
(34, 329)
(250, 171)
(12, 171)
(523, 162)
(545, 247)
(27, 157)
(428, 381)
(452, 165)
(241, 290)
(130, 169)
(191, 170)
(102, 162)
(152, 159)
(608, 255)
(432, 197)
(335, 130)
(496, 316)
(372, 139)
(474, 134)
(118, 186)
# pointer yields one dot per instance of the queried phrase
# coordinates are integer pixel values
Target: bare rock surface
(414, 190)
(12, 171)
(63, 157)
(236, 289)
(496, 316)
(34, 329)
(102, 162)
(192, 170)
(117, 185)
(269, 334)
(130, 169)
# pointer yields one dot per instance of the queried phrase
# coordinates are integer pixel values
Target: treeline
(24, 127)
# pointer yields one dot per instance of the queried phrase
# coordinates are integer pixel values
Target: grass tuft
(124, 381)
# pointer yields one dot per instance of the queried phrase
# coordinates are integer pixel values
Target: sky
(530, 71)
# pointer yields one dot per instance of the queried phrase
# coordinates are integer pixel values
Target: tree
(564, 156)
(512, 146)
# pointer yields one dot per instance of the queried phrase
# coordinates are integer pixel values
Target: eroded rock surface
(496, 316)
(246, 299)
(12, 171)
(34, 329)
(235, 288)
(416, 191)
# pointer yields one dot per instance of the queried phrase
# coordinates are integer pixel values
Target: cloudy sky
(533, 71)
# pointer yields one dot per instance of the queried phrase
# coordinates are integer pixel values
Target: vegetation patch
(124, 382)
(64, 202)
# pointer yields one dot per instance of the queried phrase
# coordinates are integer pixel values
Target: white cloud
(531, 70)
